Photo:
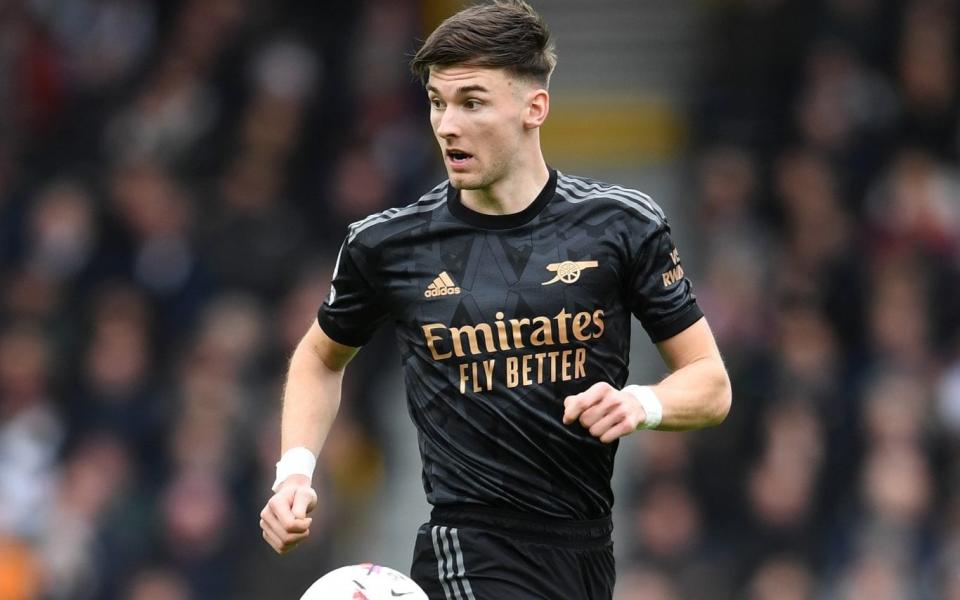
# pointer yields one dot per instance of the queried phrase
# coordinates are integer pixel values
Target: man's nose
(448, 125)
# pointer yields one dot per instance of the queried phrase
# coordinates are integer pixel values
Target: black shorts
(476, 553)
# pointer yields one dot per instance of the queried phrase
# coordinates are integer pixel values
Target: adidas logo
(443, 285)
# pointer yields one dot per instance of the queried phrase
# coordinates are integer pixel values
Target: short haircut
(506, 33)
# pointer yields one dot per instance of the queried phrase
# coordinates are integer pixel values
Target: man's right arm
(311, 396)
(311, 399)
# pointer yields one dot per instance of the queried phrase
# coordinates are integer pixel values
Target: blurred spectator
(31, 429)
(254, 239)
(645, 584)
(194, 534)
(63, 235)
(158, 584)
(927, 74)
(900, 333)
(914, 208)
(874, 577)
(781, 578)
(88, 538)
(169, 117)
(101, 40)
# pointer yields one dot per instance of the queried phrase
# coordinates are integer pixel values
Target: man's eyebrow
(467, 89)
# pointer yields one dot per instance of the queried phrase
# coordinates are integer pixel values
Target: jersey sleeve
(661, 296)
(352, 311)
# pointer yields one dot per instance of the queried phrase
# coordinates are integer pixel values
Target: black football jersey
(499, 318)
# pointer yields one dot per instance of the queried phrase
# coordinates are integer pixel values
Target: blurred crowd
(828, 203)
(173, 179)
(174, 176)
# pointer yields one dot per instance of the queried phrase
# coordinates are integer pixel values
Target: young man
(511, 287)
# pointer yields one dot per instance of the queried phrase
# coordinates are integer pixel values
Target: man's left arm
(696, 394)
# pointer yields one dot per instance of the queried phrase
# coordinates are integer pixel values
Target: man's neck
(511, 194)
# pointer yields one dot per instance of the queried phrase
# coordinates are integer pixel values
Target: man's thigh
(461, 563)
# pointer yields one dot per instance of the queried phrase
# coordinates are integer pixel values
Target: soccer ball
(364, 582)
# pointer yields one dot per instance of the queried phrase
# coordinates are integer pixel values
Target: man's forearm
(311, 399)
(694, 396)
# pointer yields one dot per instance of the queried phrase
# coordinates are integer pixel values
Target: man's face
(477, 116)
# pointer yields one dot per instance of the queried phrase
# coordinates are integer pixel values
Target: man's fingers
(614, 416)
(574, 405)
(293, 539)
(617, 431)
(292, 524)
(277, 517)
(271, 526)
(283, 519)
(304, 500)
(272, 534)
(282, 546)
(273, 540)
(282, 531)
(609, 420)
(595, 413)
(281, 508)
(280, 539)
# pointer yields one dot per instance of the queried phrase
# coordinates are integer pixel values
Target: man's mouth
(458, 157)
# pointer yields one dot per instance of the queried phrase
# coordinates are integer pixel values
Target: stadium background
(176, 176)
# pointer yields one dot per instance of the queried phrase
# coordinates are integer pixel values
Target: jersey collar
(485, 221)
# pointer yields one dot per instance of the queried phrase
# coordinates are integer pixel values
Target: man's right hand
(284, 519)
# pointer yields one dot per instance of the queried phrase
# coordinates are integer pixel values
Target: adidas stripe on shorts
(476, 553)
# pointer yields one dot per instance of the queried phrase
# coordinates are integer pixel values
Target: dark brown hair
(505, 33)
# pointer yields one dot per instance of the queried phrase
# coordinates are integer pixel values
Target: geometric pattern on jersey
(489, 351)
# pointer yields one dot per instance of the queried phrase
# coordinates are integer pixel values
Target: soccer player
(511, 286)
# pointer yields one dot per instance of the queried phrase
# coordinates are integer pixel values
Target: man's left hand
(606, 412)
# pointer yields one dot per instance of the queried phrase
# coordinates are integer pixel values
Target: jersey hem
(335, 333)
(662, 331)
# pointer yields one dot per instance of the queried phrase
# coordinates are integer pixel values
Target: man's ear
(536, 109)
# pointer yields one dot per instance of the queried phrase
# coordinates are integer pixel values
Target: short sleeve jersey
(499, 318)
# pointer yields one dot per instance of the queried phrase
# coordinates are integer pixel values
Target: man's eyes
(471, 104)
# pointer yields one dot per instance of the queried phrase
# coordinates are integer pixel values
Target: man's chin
(464, 181)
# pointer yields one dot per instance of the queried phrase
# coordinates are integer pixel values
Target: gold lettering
(526, 369)
(672, 276)
(565, 364)
(432, 339)
(502, 332)
(476, 382)
(553, 364)
(463, 378)
(580, 321)
(518, 332)
(513, 378)
(542, 335)
(598, 321)
(488, 370)
(465, 340)
(540, 356)
(561, 318)
(471, 332)
(579, 362)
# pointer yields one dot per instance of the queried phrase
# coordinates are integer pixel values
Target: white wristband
(295, 461)
(650, 403)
